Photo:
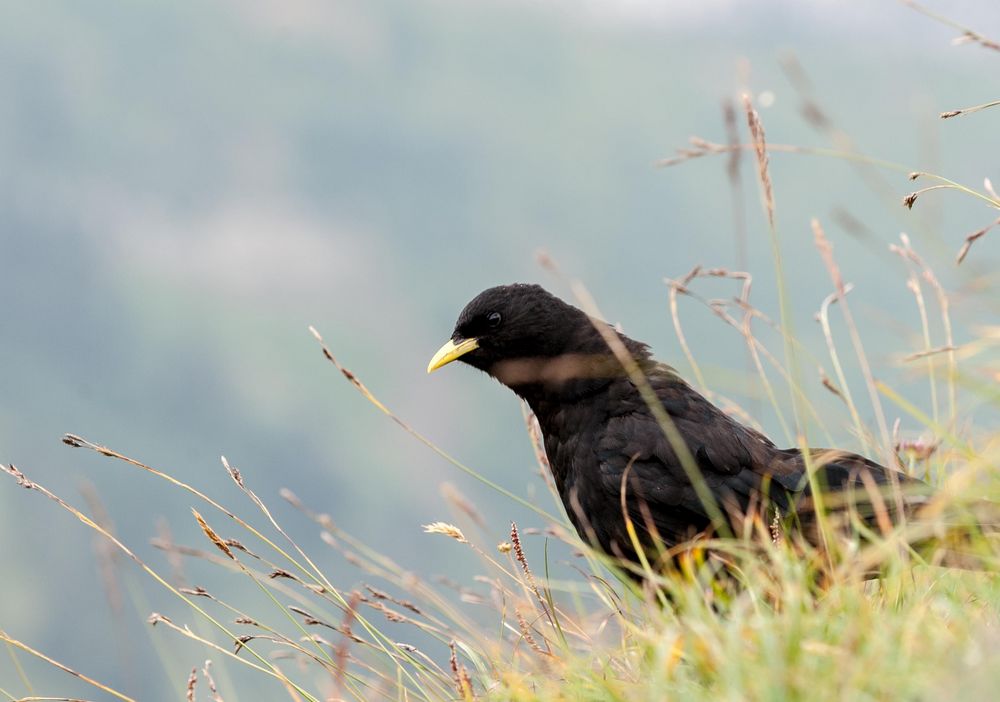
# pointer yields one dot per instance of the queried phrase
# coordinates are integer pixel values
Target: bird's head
(524, 336)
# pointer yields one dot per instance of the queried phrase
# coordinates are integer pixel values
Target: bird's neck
(570, 375)
(550, 397)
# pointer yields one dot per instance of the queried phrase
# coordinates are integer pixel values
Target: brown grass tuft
(527, 635)
(515, 540)
(971, 239)
(191, 684)
(212, 536)
(967, 36)
(461, 676)
(447, 529)
(760, 148)
(210, 681)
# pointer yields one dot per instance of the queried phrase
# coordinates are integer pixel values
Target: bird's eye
(494, 319)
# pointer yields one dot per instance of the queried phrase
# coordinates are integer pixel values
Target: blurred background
(186, 186)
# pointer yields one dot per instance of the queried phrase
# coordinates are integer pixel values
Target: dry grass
(967, 35)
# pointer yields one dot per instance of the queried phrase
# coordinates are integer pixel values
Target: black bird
(603, 441)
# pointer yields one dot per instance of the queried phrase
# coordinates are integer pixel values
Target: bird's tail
(958, 535)
(938, 528)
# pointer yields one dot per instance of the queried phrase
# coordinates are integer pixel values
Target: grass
(804, 623)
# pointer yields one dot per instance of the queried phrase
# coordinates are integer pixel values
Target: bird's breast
(571, 432)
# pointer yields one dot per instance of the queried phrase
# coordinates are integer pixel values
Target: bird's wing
(741, 467)
(734, 462)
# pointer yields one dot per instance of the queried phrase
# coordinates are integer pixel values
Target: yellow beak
(451, 351)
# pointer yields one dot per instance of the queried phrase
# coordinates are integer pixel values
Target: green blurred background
(185, 186)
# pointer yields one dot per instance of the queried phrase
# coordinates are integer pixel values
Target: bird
(632, 487)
